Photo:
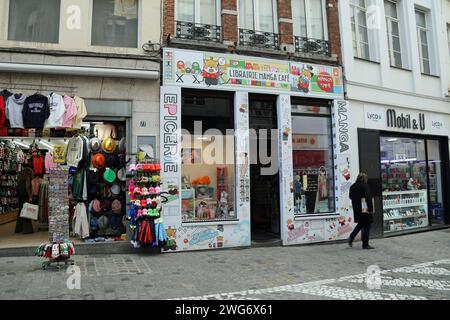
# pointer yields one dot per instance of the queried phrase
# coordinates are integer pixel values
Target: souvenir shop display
(56, 253)
(10, 168)
(146, 199)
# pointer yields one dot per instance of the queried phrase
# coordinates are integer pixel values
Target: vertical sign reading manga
(170, 153)
(342, 168)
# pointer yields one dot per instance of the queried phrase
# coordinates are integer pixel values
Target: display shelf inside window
(146, 199)
(405, 210)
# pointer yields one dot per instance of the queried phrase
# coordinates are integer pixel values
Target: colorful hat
(145, 192)
(109, 175)
(115, 189)
(96, 205)
(103, 222)
(72, 170)
(116, 206)
(99, 161)
(112, 161)
(95, 145)
(109, 145)
(122, 175)
(106, 205)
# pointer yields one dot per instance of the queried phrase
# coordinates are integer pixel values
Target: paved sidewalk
(328, 271)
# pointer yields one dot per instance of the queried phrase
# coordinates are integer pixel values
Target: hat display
(94, 223)
(103, 222)
(112, 161)
(116, 206)
(122, 175)
(72, 170)
(93, 176)
(99, 161)
(95, 145)
(116, 189)
(106, 205)
(109, 145)
(109, 175)
(115, 222)
(96, 205)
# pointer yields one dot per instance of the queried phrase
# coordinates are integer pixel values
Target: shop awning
(79, 71)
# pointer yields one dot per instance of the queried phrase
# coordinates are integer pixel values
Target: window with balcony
(198, 20)
(34, 20)
(258, 24)
(360, 34)
(310, 26)
(423, 31)
(115, 23)
(393, 32)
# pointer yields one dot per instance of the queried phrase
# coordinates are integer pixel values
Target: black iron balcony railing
(312, 46)
(197, 31)
(260, 39)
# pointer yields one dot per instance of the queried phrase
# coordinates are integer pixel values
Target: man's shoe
(368, 248)
(350, 243)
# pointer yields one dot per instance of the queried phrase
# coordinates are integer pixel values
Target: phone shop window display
(312, 160)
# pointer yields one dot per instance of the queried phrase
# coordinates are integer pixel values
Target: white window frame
(139, 26)
(256, 16)
(355, 8)
(419, 41)
(390, 19)
(308, 19)
(197, 13)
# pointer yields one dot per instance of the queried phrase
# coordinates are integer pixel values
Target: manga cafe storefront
(213, 107)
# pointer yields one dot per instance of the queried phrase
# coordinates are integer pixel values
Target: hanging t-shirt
(104, 131)
(71, 112)
(38, 164)
(74, 152)
(57, 110)
(35, 111)
(81, 112)
(49, 164)
(14, 107)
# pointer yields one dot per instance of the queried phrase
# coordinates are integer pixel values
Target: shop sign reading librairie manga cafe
(215, 70)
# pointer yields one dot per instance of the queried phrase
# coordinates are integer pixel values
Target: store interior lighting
(397, 161)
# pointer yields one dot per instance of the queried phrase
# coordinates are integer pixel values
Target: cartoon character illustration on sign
(290, 224)
(171, 244)
(181, 66)
(211, 71)
(195, 67)
(304, 80)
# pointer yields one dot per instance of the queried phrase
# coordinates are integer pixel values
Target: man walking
(362, 209)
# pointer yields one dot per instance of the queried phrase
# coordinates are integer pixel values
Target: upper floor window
(259, 15)
(198, 11)
(393, 32)
(360, 33)
(423, 41)
(309, 18)
(115, 23)
(34, 20)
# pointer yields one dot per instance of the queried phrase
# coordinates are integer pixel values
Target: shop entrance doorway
(265, 193)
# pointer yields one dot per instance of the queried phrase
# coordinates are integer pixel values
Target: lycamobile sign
(405, 121)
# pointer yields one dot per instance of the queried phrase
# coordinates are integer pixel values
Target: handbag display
(29, 211)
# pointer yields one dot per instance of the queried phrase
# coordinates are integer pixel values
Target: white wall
(377, 81)
(149, 26)
(445, 23)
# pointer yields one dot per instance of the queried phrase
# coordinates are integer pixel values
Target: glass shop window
(115, 23)
(208, 160)
(34, 20)
(312, 152)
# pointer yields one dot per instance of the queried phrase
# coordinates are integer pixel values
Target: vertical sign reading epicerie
(170, 130)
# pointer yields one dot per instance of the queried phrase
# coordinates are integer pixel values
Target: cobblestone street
(411, 267)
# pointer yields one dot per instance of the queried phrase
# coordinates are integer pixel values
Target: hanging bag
(29, 211)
